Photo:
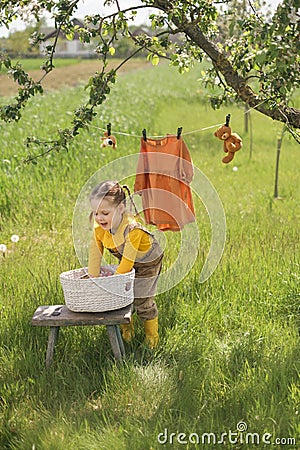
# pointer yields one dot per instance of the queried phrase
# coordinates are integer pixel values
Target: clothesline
(182, 134)
(155, 137)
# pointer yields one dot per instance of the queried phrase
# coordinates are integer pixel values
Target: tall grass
(229, 348)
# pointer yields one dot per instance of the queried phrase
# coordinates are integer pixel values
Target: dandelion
(235, 168)
(3, 248)
(15, 238)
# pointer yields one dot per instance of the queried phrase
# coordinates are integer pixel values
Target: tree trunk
(246, 116)
(279, 142)
(251, 135)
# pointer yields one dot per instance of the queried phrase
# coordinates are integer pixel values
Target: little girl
(133, 245)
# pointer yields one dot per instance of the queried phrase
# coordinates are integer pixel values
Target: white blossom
(235, 168)
(15, 238)
(294, 15)
(31, 10)
(3, 248)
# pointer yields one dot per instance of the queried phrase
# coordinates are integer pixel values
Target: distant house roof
(61, 34)
(142, 30)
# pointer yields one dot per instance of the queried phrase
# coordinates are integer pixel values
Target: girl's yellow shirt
(137, 243)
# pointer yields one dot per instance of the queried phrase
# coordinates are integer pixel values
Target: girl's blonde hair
(111, 190)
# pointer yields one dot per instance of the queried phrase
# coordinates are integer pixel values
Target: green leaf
(155, 60)
(112, 51)
(261, 57)
(70, 36)
(89, 84)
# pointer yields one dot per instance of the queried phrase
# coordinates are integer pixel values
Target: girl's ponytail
(113, 191)
(126, 188)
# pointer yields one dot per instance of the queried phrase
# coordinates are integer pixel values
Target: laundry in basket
(105, 293)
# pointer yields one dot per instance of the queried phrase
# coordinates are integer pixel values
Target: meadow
(228, 358)
(29, 64)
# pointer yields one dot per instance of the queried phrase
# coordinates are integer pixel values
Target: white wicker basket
(97, 294)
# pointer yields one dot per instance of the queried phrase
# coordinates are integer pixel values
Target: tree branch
(289, 116)
(254, 11)
(49, 65)
(67, 134)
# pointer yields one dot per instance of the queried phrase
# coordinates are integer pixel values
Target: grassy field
(29, 64)
(68, 73)
(228, 357)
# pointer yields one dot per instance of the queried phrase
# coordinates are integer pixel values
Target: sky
(87, 7)
(96, 6)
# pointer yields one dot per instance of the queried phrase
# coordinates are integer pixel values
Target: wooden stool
(57, 316)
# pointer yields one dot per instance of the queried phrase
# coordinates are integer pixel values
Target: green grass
(36, 63)
(229, 348)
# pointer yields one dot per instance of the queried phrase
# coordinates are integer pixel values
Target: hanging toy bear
(232, 141)
(108, 140)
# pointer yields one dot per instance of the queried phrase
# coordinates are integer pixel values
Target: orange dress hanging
(163, 178)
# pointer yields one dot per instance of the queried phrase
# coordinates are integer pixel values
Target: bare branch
(51, 57)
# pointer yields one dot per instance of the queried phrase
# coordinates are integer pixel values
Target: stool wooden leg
(121, 344)
(112, 331)
(53, 336)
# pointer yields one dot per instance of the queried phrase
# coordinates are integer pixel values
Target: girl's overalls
(147, 269)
